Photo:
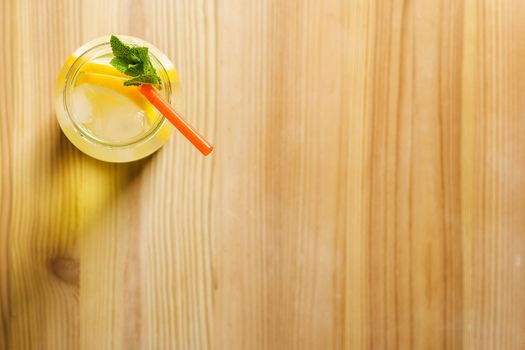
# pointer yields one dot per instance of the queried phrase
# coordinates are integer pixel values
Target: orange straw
(175, 118)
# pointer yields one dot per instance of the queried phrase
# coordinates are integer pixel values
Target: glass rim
(71, 76)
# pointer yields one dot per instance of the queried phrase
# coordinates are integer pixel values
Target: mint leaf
(148, 68)
(143, 79)
(134, 69)
(119, 63)
(119, 48)
(134, 61)
(141, 53)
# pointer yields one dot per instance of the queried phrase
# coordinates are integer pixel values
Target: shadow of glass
(70, 194)
(60, 194)
(85, 187)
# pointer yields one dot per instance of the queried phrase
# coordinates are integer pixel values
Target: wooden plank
(366, 192)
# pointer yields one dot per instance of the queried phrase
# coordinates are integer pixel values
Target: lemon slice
(99, 68)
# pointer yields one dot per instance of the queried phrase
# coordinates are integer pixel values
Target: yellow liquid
(110, 113)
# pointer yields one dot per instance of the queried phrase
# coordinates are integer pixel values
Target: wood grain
(367, 190)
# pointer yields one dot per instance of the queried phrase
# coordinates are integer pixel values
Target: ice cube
(81, 105)
(118, 124)
(107, 114)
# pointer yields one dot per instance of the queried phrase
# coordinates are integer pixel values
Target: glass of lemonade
(104, 118)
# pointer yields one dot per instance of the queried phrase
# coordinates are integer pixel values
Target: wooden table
(367, 190)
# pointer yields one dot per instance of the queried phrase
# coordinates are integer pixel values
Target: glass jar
(150, 139)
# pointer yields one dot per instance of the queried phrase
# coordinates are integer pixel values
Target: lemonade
(104, 118)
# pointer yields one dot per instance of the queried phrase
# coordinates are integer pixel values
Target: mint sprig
(135, 62)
